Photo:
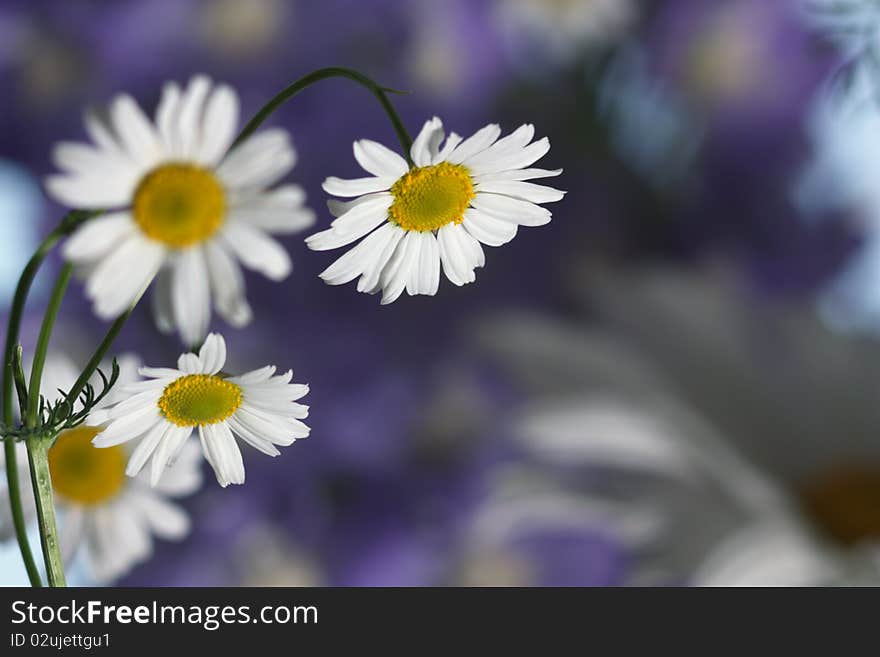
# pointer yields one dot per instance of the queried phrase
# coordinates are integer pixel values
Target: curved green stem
(100, 352)
(381, 93)
(33, 395)
(16, 311)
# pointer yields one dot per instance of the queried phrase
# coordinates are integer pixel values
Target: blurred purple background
(605, 404)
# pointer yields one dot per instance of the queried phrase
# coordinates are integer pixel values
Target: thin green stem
(70, 222)
(100, 352)
(18, 522)
(20, 384)
(43, 344)
(380, 92)
(38, 446)
(38, 459)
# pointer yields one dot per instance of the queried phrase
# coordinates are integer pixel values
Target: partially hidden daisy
(179, 204)
(108, 519)
(162, 412)
(458, 195)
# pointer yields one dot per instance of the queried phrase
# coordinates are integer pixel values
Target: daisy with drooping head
(106, 517)
(181, 205)
(458, 195)
(162, 412)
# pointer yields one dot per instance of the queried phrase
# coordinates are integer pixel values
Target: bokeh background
(674, 382)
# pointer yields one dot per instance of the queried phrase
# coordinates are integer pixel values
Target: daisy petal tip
(132, 471)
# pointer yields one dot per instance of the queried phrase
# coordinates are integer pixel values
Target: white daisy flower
(181, 205)
(103, 515)
(457, 195)
(162, 412)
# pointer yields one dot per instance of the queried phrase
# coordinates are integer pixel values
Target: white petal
(378, 159)
(220, 123)
(222, 453)
(452, 141)
(128, 428)
(97, 236)
(457, 254)
(100, 133)
(357, 186)
(118, 279)
(359, 220)
(391, 236)
(257, 251)
(333, 238)
(167, 113)
(424, 276)
(167, 520)
(427, 142)
(476, 143)
(173, 441)
(136, 134)
(133, 403)
(189, 133)
(397, 274)
(280, 210)
(338, 208)
(430, 265)
(183, 461)
(259, 162)
(252, 438)
(512, 143)
(472, 247)
(361, 213)
(71, 531)
(511, 209)
(160, 372)
(145, 448)
(254, 376)
(191, 295)
(92, 191)
(517, 159)
(227, 285)
(488, 229)
(522, 190)
(277, 429)
(189, 363)
(517, 174)
(213, 354)
(84, 161)
(359, 259)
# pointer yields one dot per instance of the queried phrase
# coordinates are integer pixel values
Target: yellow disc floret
(428, 198)
(179, 204)
(197, 399)
(82, 473)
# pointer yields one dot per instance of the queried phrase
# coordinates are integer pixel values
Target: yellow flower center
(428, 198)
(179, 204)
(199, 399)
(82, 473)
